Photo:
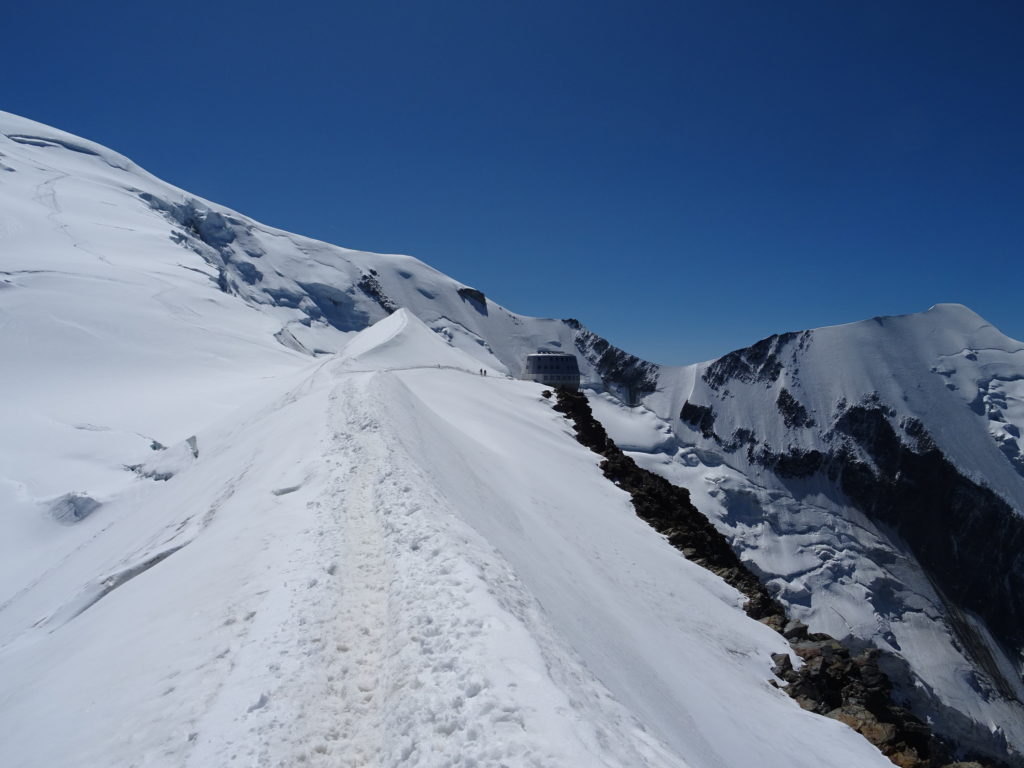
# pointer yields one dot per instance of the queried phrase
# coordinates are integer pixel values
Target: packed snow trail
(356, 673)
(396, 637)
(435, 662)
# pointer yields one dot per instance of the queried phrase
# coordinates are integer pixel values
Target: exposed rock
(741, 437)
(668, 509)
(794, 630)
(858, 718)
(916, 430)
(795, 463)
(622, 373)
(761, 362)
(700, 417)
(370, 285)
(794, 414)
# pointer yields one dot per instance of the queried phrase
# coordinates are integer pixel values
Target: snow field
(367, 571)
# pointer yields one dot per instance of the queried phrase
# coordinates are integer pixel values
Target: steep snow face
(72, 193)
(870, 472)
(386, 563)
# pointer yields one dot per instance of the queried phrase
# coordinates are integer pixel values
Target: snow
(414, 567)
(401, 340)
(316, 535)
(635, 429)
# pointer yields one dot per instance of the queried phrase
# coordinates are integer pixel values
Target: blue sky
(683, 177)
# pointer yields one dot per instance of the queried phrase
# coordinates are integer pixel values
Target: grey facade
(555, 369)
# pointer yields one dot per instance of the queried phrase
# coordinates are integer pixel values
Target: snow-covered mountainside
(872, 474)
(259, 508)
(106, 274)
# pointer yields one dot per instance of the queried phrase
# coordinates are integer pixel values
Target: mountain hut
(555, 369)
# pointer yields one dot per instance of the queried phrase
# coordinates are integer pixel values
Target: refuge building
(555, 369)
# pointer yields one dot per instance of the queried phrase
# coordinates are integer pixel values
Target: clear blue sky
(683, 177)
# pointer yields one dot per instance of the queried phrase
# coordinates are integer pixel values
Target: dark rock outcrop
(852, 688)
(667, 508)
(625, 374)
(700, 417)
(794, 414)
(761, 362)
(370, 285)
(795, 463)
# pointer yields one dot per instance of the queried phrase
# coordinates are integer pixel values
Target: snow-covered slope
(872, 474)
(387, 563)
(259, 507)
(111, 328)
(62, 191)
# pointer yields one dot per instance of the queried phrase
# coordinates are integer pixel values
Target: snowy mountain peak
(403, 341)
(951, 310)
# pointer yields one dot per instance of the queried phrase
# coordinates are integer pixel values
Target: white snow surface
(221, 547)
